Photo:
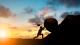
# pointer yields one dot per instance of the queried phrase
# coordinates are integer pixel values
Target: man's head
(51, 24)
(38, 24)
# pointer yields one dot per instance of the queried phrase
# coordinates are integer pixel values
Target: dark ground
(22, 42)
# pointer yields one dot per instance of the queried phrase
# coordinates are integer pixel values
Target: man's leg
(42, 36)
(36, 37)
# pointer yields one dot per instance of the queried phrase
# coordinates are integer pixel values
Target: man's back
(40, 30)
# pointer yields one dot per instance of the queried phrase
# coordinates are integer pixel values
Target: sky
(14, 17)
(22, 13)
(18, 6)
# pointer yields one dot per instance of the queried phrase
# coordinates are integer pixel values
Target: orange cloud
(4, 12)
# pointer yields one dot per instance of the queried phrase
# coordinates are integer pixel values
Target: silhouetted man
(39, 32)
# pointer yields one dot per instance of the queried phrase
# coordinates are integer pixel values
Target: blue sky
(18, 6)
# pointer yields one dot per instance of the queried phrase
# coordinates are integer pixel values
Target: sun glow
(3, 33)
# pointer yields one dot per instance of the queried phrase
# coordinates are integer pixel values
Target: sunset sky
(17, 16)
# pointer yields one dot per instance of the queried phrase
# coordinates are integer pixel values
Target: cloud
(76, 13)
(64, 14)
(70, 13)
(47, 12)
(35, 20)
(42, 14)
(70, 3)
(4, 12)
(28, 10)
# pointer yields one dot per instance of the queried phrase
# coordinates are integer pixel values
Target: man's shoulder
(41, 27)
